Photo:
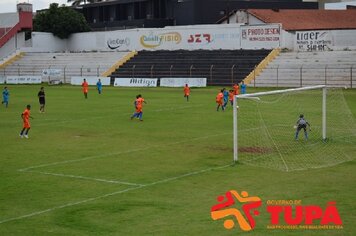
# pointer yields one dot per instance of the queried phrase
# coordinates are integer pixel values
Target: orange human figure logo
(222, 210)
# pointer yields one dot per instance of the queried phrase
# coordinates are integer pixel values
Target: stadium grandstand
(246, 45)
(220, 67)
(62, 65)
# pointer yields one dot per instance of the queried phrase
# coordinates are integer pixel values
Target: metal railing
(63, 73)
(213, 73)
(276, 76)
(306, 75)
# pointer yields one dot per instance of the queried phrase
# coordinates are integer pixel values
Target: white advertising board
(188, 38)
(180, 82)
(2, 79)
(261, 36)
(309, 41)
(91, 80)
(51, 72)
(135, 82)
(23, 79)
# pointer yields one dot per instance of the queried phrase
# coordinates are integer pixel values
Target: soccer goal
(265, 127)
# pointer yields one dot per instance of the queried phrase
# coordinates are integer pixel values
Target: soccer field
(87, 169)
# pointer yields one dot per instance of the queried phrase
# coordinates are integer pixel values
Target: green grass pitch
(87, 169)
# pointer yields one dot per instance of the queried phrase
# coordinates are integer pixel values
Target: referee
(42, 100)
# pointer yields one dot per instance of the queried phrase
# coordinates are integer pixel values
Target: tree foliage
(61, 21)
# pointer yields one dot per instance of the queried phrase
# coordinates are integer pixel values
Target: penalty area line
(83, 178)
(117, 153)
(112, 194)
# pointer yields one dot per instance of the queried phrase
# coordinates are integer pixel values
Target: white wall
(169, 38)
(344, 39)
(210, 37)
(46, 42)
(287, 39)
(86, 42)
(12, 45)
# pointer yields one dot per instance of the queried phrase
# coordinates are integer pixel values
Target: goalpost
(260, 96)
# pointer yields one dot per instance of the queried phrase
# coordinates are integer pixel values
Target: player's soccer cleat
(26, 136)
(21, 136)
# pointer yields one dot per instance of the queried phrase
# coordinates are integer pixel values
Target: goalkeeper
(302, 124)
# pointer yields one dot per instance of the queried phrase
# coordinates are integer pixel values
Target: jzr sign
(313, 41)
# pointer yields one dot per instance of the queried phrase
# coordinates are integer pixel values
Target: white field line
(55, 122)
(84, 159)
(61, 121)
(84, 178)
(111, 194)
(116, 153)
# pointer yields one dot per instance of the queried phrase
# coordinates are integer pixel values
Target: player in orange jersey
(231, 96)
(26, 122)
(85, 87)
(138, 105)
(186, 92)
(220, 100)
(236, 89)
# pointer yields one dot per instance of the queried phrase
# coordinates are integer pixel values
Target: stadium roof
(308, 19)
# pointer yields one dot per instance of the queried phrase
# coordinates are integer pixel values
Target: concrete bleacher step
(291, 69)
(201, 63)
(71, 64)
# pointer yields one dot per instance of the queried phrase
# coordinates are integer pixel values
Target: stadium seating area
(220, 67)
(294, 69)
(70, 64)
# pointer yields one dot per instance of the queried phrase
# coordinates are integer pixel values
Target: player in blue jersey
(302, 124)
(243, 87)
(5, 97)
(226, 97)
(99, 86)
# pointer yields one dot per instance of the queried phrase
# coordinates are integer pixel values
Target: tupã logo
(224, 209)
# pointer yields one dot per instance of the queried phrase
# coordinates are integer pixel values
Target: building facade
(121, 14)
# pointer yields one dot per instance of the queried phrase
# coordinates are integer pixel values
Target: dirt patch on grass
(260, 150)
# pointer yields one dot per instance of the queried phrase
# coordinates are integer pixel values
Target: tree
(61, 21)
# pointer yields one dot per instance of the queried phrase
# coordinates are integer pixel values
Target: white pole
(324, 114)
(235, 130)
(280, 91)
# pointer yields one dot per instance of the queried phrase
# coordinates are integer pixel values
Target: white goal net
(265, 126)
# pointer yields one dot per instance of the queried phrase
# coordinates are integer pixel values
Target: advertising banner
(23, 79)
(261, 36)
(51, 72)
(135, 82)
(180, 82)
(309, 41)
(186, 37)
